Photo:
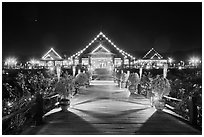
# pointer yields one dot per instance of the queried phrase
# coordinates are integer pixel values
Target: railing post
(193, 110)
(39, 109)
(139, 89)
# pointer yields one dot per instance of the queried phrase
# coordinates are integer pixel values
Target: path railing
(188, 108)
(28, 115)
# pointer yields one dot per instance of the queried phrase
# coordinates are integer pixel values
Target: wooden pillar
(79, 71)
(129, 62)
(165, 70)
(193, 110)
(123, 61)
(113, 59)
(73, 70)
(89, 60)
(39, 109)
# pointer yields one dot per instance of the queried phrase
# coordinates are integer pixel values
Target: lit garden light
(194, 61)
(34, 61)
(11, 62)
(182, 63)
(170, 60)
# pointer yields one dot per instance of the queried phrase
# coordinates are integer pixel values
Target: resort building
(152, 59)
(101, 52)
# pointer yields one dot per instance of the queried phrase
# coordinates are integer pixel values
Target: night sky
(31, 29)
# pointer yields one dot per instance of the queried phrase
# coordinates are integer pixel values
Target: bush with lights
(22, 90)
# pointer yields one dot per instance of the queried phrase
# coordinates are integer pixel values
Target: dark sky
(31, 29)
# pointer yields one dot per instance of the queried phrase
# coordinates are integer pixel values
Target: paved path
(103, 108)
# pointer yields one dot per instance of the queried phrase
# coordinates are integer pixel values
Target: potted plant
(124, 80)
(145, 83)
(160, 86)
(81, 80)
(114, 76)
(89, 75)
(64, 89)
(133, 81)
(118, 78)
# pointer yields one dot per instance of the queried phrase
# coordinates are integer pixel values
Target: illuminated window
(65, 63)
(58, 63)
(76, 61)
(126, 61)
(117, 62)
(85, 61)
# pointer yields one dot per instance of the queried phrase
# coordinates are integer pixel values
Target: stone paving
(105, 109)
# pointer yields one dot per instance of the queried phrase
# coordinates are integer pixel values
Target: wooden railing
(15, 122)
(50, 102)
(188, 108)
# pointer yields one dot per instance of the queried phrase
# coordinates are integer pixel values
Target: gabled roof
(152, 54)
(100, 49)
(51, 55)
(101, 38)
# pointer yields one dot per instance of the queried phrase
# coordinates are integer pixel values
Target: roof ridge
(51, 50)
(155, 54)
(125, 54)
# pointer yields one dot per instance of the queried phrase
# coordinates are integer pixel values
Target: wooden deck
(105, 109)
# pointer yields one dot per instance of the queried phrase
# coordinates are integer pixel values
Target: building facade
(102, 53)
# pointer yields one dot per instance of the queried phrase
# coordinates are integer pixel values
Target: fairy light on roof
(155, 54)
(47, 54)
(104, 36)
(100, 46)
(112, 43)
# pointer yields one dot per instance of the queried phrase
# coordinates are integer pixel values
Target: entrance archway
(102, 67)
(101, 62)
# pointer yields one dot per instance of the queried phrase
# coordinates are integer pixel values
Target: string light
(48, 53)
(11, 61)
(100, 46)
(155, 54)
(104, 36)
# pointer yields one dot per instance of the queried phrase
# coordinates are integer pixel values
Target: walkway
(103, 108)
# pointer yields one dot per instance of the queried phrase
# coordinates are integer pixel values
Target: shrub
(134, 79)
(65, 86)
(160, 86)
(81, 79)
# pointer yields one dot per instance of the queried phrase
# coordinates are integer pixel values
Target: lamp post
(165, 70)
(73, 70)
(140, 71)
